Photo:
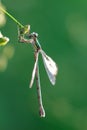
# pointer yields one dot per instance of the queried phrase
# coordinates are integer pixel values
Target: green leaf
(3, 40)
(24, 30)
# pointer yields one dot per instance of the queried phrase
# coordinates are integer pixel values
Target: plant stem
(15, 20)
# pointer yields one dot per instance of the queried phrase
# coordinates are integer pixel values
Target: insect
(51, 68)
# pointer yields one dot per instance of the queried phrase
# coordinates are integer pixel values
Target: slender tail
(41, 108)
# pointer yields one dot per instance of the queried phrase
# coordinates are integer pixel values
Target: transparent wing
(50, 66)
(34, 70)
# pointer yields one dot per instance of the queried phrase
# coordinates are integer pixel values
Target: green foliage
(2, 16)
(3, 40)
(24, 30)
(5, 55)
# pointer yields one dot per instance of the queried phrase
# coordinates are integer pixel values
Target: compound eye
(35, 34)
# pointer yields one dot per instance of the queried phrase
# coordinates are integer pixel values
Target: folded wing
(34, 71)
(50, 66)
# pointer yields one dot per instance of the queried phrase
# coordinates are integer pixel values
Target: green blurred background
(62, 29)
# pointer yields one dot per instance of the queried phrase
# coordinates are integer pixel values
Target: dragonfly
(25, 36)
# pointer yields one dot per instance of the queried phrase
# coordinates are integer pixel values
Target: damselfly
(50, 65)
